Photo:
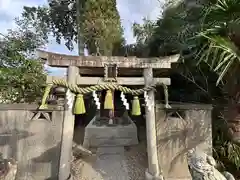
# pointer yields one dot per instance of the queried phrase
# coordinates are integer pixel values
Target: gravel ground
(136, 159)
(111, 163)
(115, 163)
(82, 169)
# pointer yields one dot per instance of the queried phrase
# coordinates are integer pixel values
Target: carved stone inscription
(110, 72)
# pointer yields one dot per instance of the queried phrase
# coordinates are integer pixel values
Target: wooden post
(68, 130)
(153, 167)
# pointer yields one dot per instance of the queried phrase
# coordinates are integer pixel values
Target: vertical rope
(45, 96)
(165, 88)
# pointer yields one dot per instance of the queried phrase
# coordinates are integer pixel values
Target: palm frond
(224, 50)
(222, 11)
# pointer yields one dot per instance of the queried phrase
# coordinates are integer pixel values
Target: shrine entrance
(106, 79)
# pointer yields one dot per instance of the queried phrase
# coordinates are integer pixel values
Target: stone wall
(183, 127)
(32, 138)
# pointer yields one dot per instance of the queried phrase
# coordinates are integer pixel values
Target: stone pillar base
(149, 176)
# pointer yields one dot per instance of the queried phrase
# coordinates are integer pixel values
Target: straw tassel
(79, 105)
(108, 103)
(136, 110)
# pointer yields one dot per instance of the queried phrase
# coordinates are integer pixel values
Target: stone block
(121, 135)
(178, 132)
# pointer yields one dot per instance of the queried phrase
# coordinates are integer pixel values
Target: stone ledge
(186, 106)
(31, 107)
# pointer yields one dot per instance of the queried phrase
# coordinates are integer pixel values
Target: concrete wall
(32, 139)
(179, 132)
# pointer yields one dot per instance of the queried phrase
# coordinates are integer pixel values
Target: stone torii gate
(91, 70)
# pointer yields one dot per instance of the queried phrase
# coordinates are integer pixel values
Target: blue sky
(130, 11)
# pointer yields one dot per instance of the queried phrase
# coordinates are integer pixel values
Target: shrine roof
(63, 60)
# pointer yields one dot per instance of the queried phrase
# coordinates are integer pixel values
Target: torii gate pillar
(153, 167)
(68, 130)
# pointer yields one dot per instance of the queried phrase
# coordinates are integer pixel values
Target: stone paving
(111, 163)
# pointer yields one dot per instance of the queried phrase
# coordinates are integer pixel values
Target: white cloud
(134, 11)
(4, 4)
(11, 9)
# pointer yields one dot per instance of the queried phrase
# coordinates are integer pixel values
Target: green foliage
(207, 31)
(21, 76)
(221, 54)
(176, 29)
(225, 151)
(143, 33)
(221, 29)
(99, 23)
